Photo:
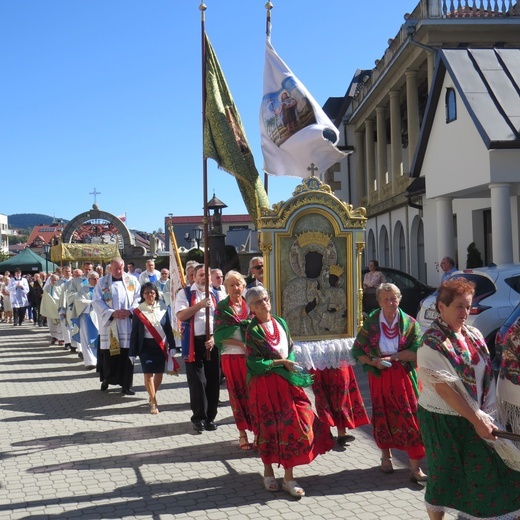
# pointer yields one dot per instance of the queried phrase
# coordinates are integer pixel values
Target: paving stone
(71, 451)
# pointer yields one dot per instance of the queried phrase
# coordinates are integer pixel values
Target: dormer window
(451, 105)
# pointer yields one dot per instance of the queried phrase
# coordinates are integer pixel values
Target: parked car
(497, 292)
(500, 338)
(412, 290)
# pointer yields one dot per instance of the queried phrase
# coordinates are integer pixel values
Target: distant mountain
(29, 220)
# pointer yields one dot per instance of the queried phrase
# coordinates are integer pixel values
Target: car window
(514, 283)
(483, 285)
(400, 280)
(512, 317)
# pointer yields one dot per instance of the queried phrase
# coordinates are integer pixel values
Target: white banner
(295, 130)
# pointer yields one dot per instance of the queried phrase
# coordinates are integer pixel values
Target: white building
(431, 188)
(4, 234)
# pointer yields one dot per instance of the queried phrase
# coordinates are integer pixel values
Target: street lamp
(197, 235)
(46, 249)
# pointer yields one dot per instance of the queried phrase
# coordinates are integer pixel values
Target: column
(501, 227)
(369, 157)
(412, 108)
(445, 231)
(381, 148)
(396, 146)
(360, 164)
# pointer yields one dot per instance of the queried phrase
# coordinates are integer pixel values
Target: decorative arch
(417, 257)
(384, 247)
(399, 248)
(370, 251)
(102, 224)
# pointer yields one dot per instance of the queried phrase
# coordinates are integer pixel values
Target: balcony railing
(439, 9)
(465, 9)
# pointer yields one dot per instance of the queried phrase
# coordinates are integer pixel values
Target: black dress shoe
(73, 349)
(210, 426)
(66, 346)
(198, 426)
(104, 386)
(343, 439)
(127, 391)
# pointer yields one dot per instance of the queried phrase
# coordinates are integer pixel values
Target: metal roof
(488, 81)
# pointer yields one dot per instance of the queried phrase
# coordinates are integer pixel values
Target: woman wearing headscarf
(467, 476)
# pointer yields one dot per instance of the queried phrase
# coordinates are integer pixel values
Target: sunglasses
(258, 267)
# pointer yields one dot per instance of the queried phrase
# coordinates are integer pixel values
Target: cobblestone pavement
(69, 450)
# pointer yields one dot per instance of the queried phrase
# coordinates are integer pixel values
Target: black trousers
(18, 315)
(36, 314)
(203, 377)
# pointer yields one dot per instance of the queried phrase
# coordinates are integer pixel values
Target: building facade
(427, 195)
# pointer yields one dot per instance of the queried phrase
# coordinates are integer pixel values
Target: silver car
(497, 293)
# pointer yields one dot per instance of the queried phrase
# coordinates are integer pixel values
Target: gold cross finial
(312, 168)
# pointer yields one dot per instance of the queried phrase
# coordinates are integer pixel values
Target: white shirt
(199, 320)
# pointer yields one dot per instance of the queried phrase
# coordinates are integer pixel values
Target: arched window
(451, 105)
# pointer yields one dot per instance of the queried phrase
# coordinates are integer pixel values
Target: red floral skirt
(288, 431)
(394, 411)
(234, 366)
(338, 399)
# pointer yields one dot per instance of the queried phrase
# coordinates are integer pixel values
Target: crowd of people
(433, 395)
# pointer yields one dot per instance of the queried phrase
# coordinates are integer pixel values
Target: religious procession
(286, 337)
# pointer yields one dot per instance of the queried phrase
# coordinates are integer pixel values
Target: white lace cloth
(325, 353)
(508, 404)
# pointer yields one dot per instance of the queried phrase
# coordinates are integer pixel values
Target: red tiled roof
(46, 233)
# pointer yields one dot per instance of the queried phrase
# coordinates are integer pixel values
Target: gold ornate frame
(314, 219)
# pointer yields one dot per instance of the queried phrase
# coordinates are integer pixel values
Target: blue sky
(107, 94)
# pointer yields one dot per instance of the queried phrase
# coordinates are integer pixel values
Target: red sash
(192, 297)
(153, 331)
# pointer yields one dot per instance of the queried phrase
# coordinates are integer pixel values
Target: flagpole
(202, 9)
(268, 7)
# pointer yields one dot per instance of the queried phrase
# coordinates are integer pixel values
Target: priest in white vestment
(50, 309)
(87, 321)
(115, 298)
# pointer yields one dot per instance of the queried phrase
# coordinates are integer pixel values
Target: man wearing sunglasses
(256, 269)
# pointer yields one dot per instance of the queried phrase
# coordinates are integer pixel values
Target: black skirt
(152, 357)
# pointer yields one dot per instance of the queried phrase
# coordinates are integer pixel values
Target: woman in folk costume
(232, 317)
(471, 472)
(387, 346)
(508, 385)
(288, 431)
(338, 399)
(152, 340)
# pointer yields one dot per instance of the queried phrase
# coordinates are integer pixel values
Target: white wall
(456, 158)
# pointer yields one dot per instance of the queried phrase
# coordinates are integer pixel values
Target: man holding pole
(198, 352)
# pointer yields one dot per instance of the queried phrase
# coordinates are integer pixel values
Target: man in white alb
(115, 297)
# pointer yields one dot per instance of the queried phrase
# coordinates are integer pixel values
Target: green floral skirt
(466, 475)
